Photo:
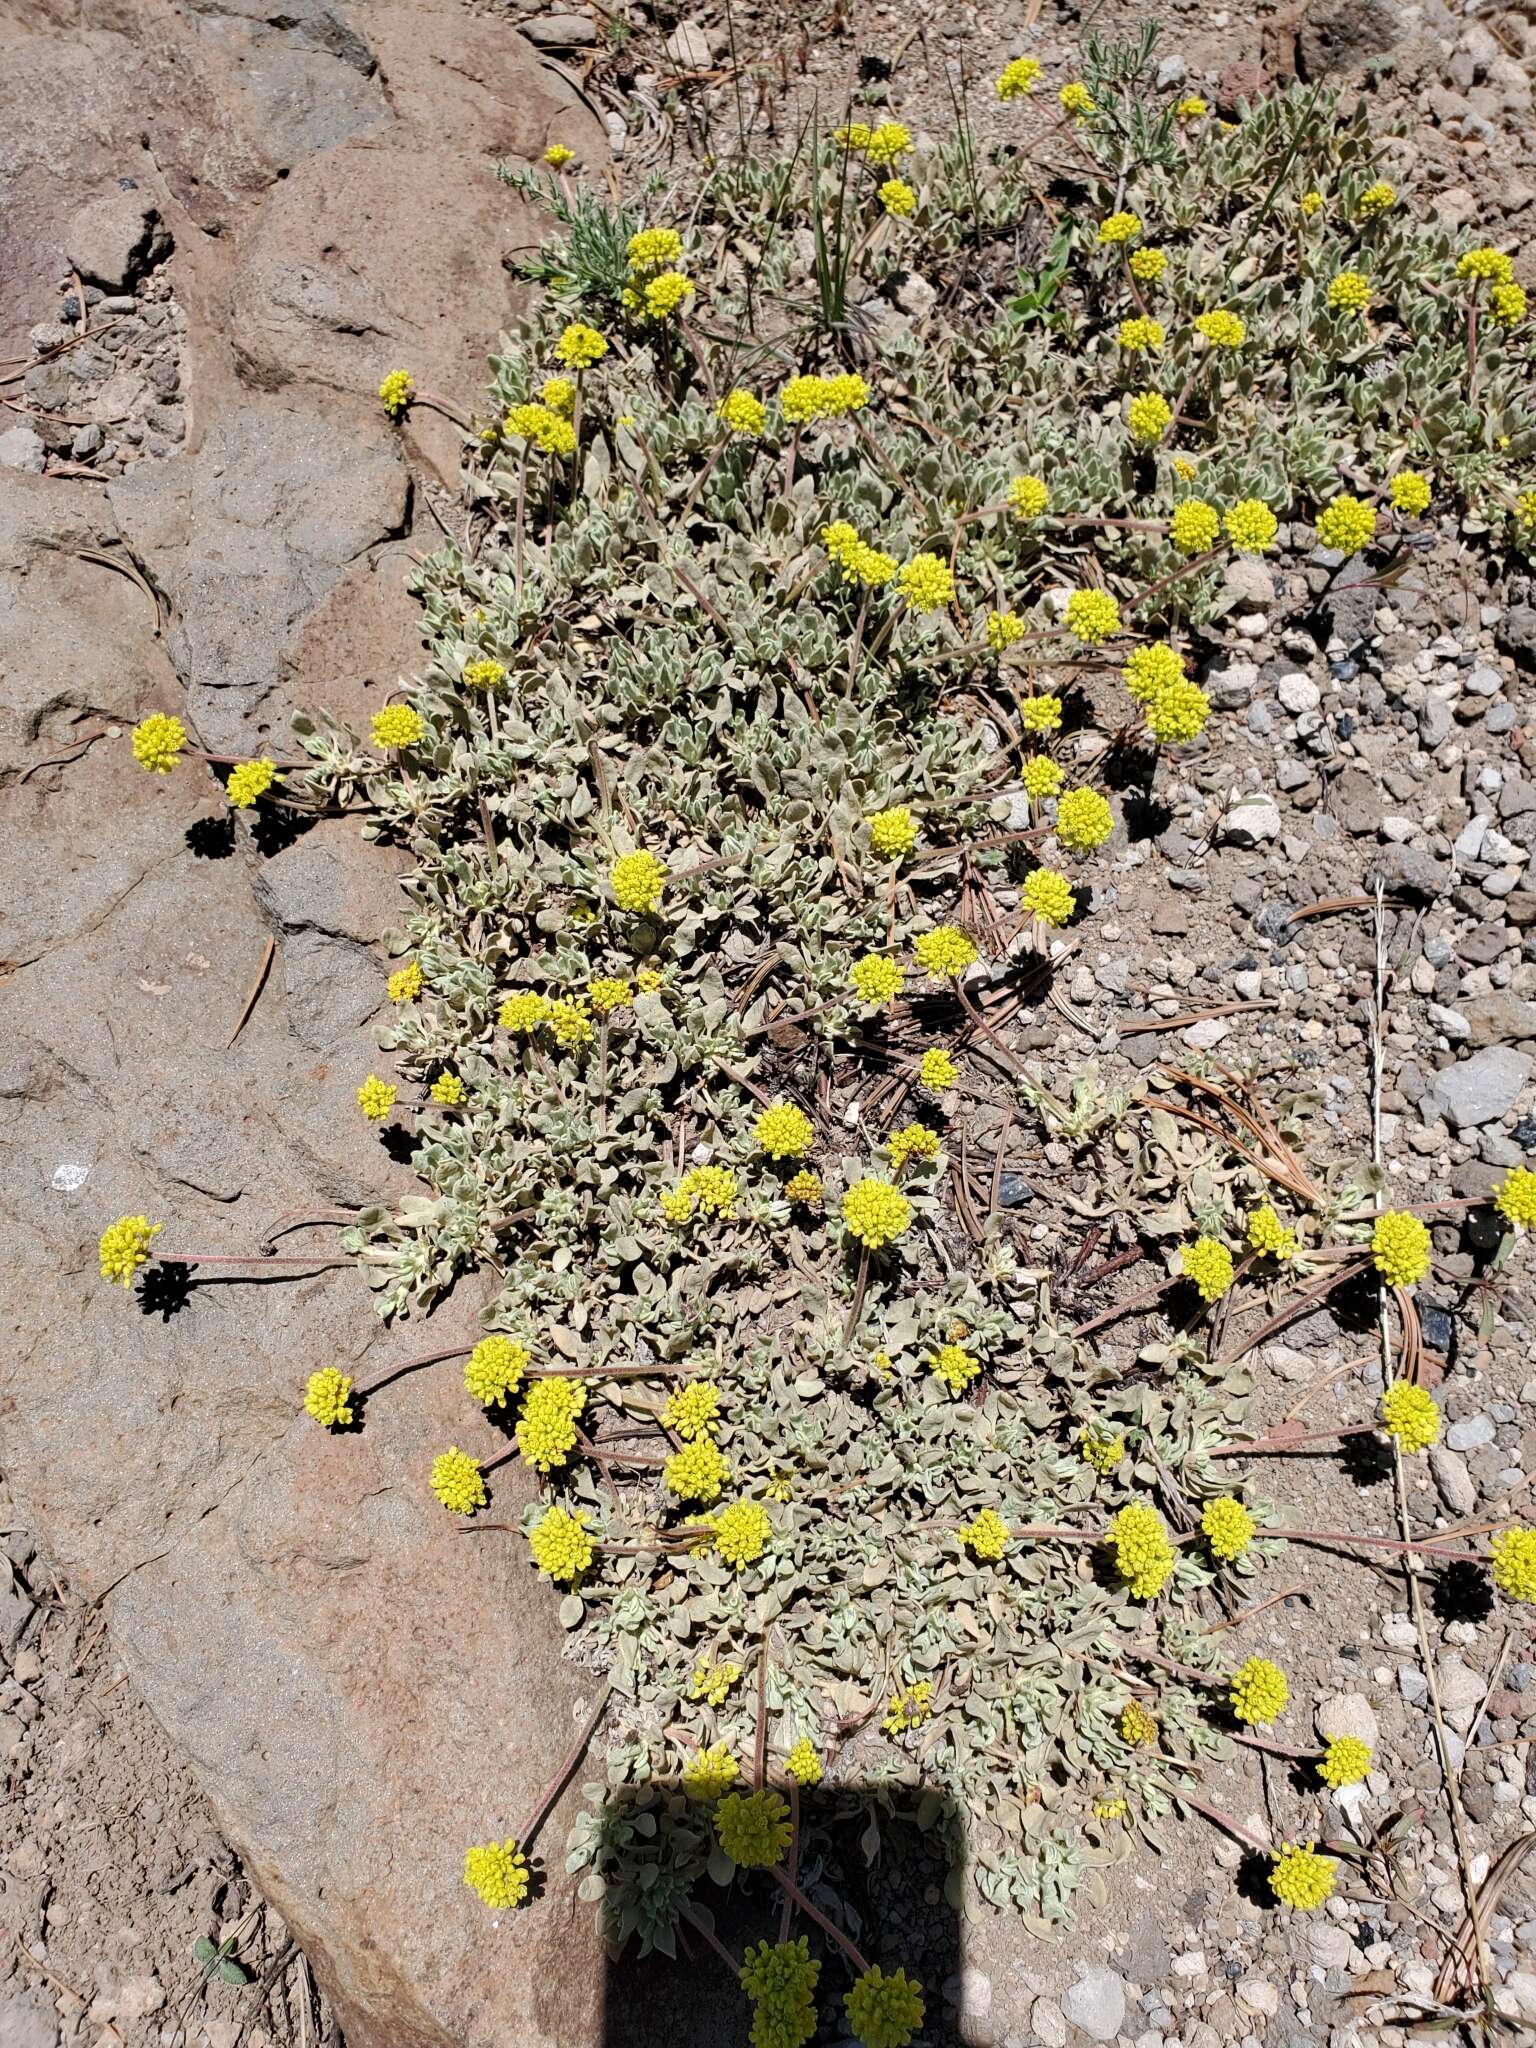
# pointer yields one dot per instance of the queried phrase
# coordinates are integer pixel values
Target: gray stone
(1231, 688)
(1412, 872)
(1516, 634)
(1251, 821)
(560, 31)
(1469, 1433)
(28, 2020)
(1436, 722)
(1452, 1479)
(913, 295)
(1096, 2003)
(1249, 581)
(1343, 35)
(1499, 1017)
(1298, 693)
(1348, 1713)
(1461, 1690)
(21, 449)
(1481, 1089)
(86, 442)
(113, 239)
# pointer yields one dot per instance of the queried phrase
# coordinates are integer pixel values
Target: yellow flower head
(1258, 1693)
(1140, 333)
(955, 1366)
(1041, 713)
(698, 1471)
(398, 725)
(549, 431)
(636, 880)
(898, 198)
(875, 979)
(1516, 1198)
(803, 1187)
(1410, 1416)
(1083, 820)
(1102, 1450)
(1018, 78)
(498, 1873)
(944, 952)
(406, 983)
(449, 1091)
(1120, 227)
(712, 1682)
(376, 1098)
(1268, 1236)
(926, 583)
(884, 2011)
(1148, 264)
(1221, 329)
(1152, 669)
(710, 1772)
(1143, 1554)
(580, 346)
(396, 393)
(1028, 496)
(557, 156)
(1251, 526)
(1076, 99)
(1137, 1726)
(987, 1536)
(888, 142)
(1310, 203)
(693, 1411)
(803, 1765)
(559, 394)
(1048, 896)
(606, 993)
(664, 294)
(327, 1398)
(1411, 492)
(523, 1013)
(1178, 713)
(912, 1141)
(1041, 777)
(494, 1371)
(124, 1247)
(158, 742)
(1507, 304)
(893, 832)
(1514, 1563)
(546, 1429)
(1345, 1761)
(875, 1212)
(741, 1533)
(1299, 1877)
(937, 1071)
(1376, 199)
(1147, 418)
(1190, 108)
(561, 1546)
(1004, 630)
(1194, 526)
(248, 781)
(1400, 1248)
(1209, 1264)
(1227, 1526)
(1347, 524)
(753, 1828)
(1092, 616)
(1350, 292)
(457, 1482)
(784, 1131)
(1485, 266)
(909, 1709)
(741, 413)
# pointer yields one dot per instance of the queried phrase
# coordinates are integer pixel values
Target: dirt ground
(1394, 738)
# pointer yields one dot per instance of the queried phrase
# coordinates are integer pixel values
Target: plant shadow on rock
(862, 1857)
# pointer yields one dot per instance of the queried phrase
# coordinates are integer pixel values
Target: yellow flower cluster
(693, 1411)
(1227, 1526)
(1140, 333)
(987, 1536)
(557, 156)
(1221, 329)
(1376, 199)
(898, 198)
(1268, 1236)
(1516, 1198)
(876, 1212)
(158, 742)
(1514, 1563)
(524, 1013)
(398, 725)
(1209, 1264)
(1004, 630)
(1118, 228)
(546, 1429)
(1076, 99)
(663, 294)
(893, 832)
(740, 1532)
(406, 983)
(498, 1873)
(1507, 304)
(884, 2011)
(909, 1708)
(1258, 1693)
(1092, 616)
(1018, 78)
(562, 1548)
(1194, 526)
(912, 1141)
(784, 1131)
(1148, 265)
(803, 1187)
(710, 1772)
(753, 1828)
(607, 993)
(741, 413)
(457, 1482)
(559, 394)
(449, 1091)
(944, 952)
(698, 1471)
(1143, 1554)
(955, 1366)
(327, 1398)
(549, 431)
(1345, 1761)
(1041, 714)
(1190, 108)
(494, 1370)
(1147, 418)
(1301, 1878)
(396, 393)
(1485, 266)
(875, 979)
(1048, 896)
(248, 781)
(637, 880)
(1347, 524)
(1400, 1248)
(926, 583)
(1410, 491)
(1251, 526)
(580, 346)
(712, 1682)
(803, 1764)
(1151, 670)
(1028, 496)
(1410, 1416)
(1137, 1726)
(484, 675)
(1178, 713)
(1083, 820)
(805, 399)
(376, 1098)
(1041, 777)
(712, 1190)
(937, 1071)
(860, 563)
(1100, 1449)
(781, 1984)
(124, 1247)
(1350, 292)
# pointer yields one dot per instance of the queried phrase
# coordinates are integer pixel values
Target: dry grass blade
(1472, 1932)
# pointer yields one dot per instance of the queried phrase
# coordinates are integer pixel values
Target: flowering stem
(858, 642)
(1124, 1308)
(1284, 1442)
(1300, 1756)
(791, 1860)
(703, 478)
(396, 1372)
(1222, 1820)
(256, 1258)
(798, 1898)
(517, 532)
(1299, 1306)
(857, 1303)
(985, 1028)
(568, 1764)
(1425, 1547)
(709, 1935)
